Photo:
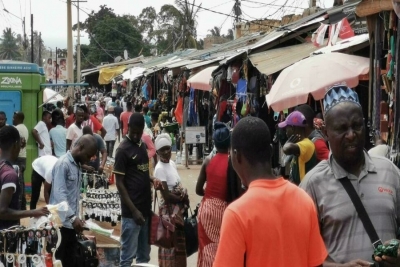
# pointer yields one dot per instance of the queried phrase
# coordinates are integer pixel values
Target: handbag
(191, 235)
(162, 231)
(362, 213)
(86, 252)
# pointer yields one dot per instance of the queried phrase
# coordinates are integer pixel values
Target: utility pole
(70, 61)
(56, 64)
(40, 49)
(32, 59)
(78, 46)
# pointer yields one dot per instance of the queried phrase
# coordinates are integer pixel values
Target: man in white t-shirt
(18, 122)
(42, 173)
(75, 130)
(41, 134)
(111, 125)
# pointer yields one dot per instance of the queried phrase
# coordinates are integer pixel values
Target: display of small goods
(102, 205)
(94, 180)
(20, 246)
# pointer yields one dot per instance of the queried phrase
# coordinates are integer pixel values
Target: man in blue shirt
(66, 186)
(58, 134)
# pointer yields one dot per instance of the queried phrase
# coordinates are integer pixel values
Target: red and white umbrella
(315, 75)
(201, 80)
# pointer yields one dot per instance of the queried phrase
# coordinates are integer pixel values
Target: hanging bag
(162, 231)
(191, 235)
(86, 252)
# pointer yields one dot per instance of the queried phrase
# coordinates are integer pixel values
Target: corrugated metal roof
(275, 60)
(182, 63)
(202, 63)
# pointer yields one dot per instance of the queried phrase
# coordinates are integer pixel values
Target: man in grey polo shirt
(376, 180)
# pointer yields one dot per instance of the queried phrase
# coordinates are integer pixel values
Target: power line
(220, 13)
(269, 4)
(221, 4)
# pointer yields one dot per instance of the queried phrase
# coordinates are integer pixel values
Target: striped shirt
(378, 187)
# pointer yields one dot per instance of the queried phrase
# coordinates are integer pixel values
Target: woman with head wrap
(216, 196)
(174, 199)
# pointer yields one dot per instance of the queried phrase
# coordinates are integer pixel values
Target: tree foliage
(9, 45)
(109, 36)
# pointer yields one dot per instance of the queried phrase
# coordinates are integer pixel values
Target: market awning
(201, 80)
(133, 73)
(275, 60)
(343, 44)
(202, 63)
(107, 74)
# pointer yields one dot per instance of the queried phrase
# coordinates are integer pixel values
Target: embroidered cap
(338, 94)
(296, 118)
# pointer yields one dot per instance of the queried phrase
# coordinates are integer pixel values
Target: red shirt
(124, 120)
(94, 123)
(321, 149)
(70, 120)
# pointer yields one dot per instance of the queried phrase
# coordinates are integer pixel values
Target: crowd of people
(249, 215)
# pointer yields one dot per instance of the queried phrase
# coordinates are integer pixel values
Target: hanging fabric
(192, 108)
(179, 110)
(241, 89)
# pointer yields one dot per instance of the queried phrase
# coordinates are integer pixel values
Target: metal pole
(32, 60)
(40, 49)
(70, 52)
(78, 50)
(56, 64)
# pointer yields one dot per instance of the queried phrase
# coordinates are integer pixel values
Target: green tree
(215, 31)
(229, 35)
(178, 24)
(9, 45)
(109, 36)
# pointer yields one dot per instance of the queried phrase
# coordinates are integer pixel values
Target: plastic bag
(95, 228)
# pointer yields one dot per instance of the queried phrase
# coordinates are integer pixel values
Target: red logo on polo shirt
(385, 190)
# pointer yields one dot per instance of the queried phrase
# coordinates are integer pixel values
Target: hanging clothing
(241, 89)
(192, 108)
(179, 110)
(145, 92)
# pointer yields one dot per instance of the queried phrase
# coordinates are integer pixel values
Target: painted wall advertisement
(56, 69)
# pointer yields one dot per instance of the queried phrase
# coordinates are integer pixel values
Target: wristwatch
(72, 219)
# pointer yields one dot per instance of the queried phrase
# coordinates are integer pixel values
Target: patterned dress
(212, 208)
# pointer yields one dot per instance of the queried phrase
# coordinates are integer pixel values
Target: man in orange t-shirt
(274, 223)
(124, 118)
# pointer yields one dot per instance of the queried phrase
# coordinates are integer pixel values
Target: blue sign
(18, 67)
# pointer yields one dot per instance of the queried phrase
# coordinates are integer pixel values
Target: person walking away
(66, 186)
(99, 112)
(71, 117)
(258, 229)
(101, 148)
(110, 124)
(58, 134)
(42, 168)
(74, 131)
(117, 112)
(376, 181)
(174, 198)
(41, 134)
(299, 146)
(3, 119)
(92, 121)
(18, 122)
(10, 212)
(316, 136)
(214, 171)
(147, 118)
(124, 118)
(131, 171)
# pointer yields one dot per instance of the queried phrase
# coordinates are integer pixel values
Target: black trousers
(110, 148)
(66, 252)
(37, 182)
(21, 162)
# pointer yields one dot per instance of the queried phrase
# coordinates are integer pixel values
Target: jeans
(134, 242)
(37, 182)
(21, 162)
(110, 148)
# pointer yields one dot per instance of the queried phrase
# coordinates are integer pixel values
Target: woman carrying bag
(173, 203)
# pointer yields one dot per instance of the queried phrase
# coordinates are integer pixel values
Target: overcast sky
(50, 16)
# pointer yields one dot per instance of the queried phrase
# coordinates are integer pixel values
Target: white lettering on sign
(11, 80)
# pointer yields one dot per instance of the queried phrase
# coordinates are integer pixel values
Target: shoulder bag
(191, 234)
(362, 213)
(162, 231)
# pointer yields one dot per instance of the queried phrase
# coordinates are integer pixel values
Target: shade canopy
(315, 75)
(201, 80)
(51, 96)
